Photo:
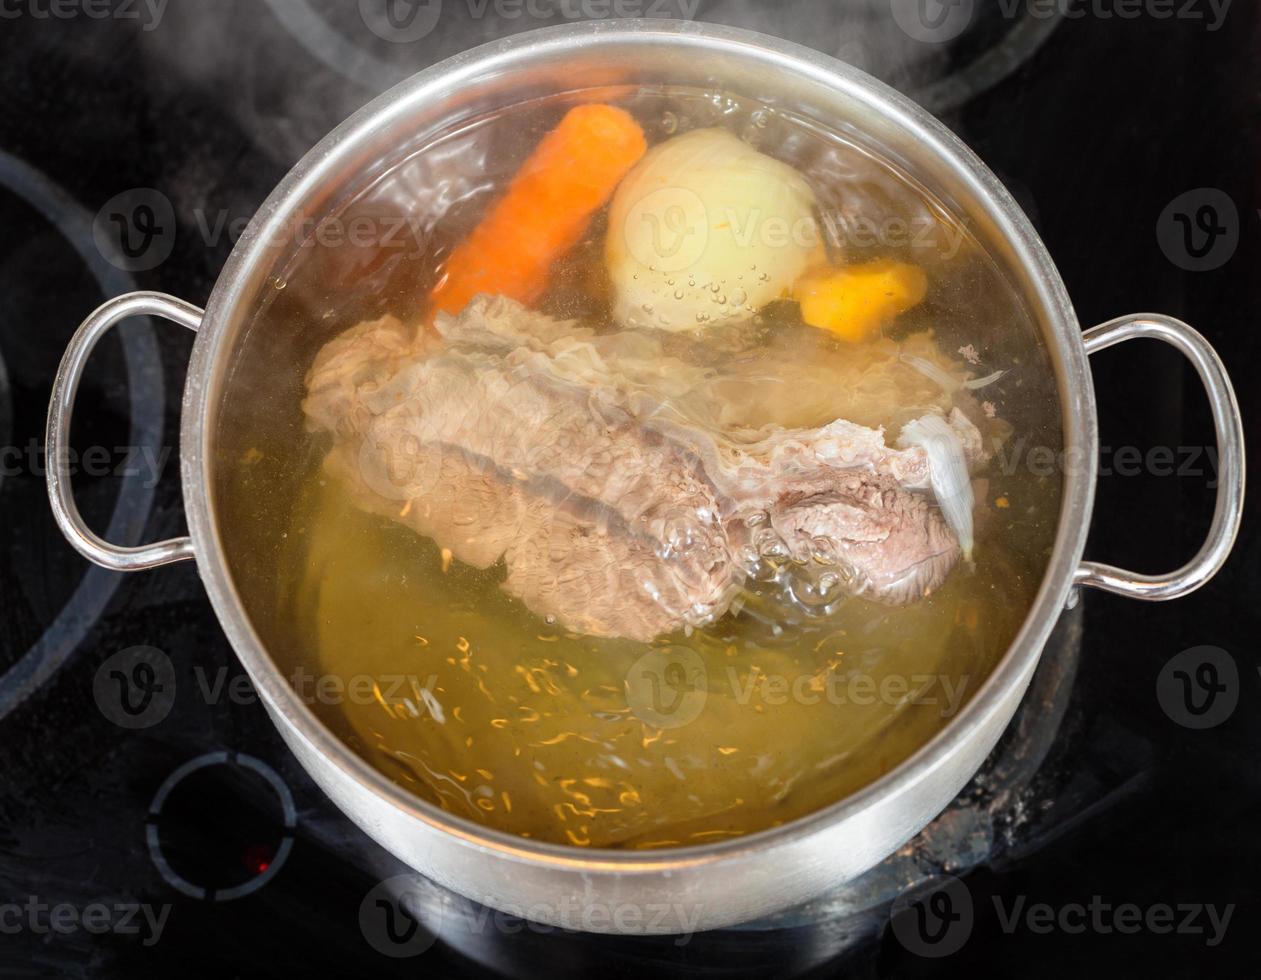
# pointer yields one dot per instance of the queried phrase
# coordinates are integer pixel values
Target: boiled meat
(604, 472)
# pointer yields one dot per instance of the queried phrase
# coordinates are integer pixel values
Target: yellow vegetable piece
(856, 301)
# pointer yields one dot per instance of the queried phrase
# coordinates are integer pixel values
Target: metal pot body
(698, 887)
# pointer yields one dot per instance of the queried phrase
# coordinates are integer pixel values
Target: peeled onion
(705, 228)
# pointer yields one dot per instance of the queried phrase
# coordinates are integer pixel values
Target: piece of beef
(590, 464)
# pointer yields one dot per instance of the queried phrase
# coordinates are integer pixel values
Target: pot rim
(1067, 352)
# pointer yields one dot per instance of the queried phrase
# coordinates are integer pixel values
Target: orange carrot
(546, 209)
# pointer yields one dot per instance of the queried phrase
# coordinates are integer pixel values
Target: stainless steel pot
(692, 887)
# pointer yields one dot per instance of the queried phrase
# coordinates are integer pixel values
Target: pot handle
(1230, 449)
(60, 409)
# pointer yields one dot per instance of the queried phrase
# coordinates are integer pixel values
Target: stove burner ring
(355, 62)
(182, 884)
(333, 49)
(6, 411)
(1011, 51)
(145, 388)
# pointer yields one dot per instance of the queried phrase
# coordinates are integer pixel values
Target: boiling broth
(454, 689)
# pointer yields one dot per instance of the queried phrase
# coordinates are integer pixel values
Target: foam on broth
(452, 688)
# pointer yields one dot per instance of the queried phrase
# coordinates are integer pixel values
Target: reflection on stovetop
(54, 275)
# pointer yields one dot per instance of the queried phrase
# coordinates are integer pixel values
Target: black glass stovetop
(163, 826)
